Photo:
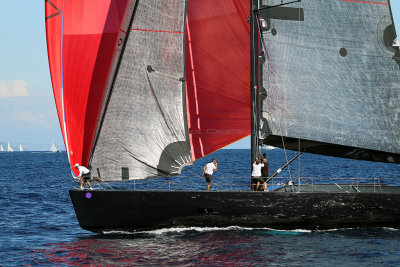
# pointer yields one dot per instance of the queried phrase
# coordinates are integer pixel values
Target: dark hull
(145, 210)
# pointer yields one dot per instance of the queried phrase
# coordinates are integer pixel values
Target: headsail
(82, 39)
(332, 79)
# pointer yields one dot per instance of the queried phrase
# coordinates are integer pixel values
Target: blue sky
(27, 109)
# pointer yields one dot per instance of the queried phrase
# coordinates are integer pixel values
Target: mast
(254, 83)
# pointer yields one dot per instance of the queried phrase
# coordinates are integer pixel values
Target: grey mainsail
(332, 79)
(144, 133)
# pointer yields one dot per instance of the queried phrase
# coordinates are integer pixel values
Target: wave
(203, 229)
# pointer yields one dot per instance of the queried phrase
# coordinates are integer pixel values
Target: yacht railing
(237, 184)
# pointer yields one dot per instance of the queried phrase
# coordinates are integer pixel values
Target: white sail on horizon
(53, 147)
(20, 148)
(9, 148)
(1, 148)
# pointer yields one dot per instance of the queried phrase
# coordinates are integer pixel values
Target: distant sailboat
(1, 148)
(54, 148)
(9, 148)
(20, 148)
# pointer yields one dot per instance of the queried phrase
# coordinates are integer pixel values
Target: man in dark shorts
(264, 173)
(208, 171)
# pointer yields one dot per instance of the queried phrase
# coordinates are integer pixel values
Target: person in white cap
(84, 175)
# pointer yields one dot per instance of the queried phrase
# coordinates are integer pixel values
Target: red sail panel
(53, 13)
(217, 73)
(89, 37)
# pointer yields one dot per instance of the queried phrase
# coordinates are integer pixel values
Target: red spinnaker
(53, 13)
(217, 73)
(82, 41)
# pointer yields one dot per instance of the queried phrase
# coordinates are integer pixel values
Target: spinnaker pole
(254, 83)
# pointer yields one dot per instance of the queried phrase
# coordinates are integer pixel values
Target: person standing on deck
(256, 174)
(264, 173)
(84, 175)
(208, 171)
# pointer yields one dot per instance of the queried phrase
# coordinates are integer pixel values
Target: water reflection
(242, 247)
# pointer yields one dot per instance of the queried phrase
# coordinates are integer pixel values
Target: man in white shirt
(256, 174)
(84, 175)
(208, 171)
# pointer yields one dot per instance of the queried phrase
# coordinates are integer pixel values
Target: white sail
(9, 148)
(53, 147)
(1, 148)
(20, 148)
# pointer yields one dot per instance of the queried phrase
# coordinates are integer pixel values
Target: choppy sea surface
(38, 225)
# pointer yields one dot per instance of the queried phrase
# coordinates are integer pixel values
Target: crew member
(84, 175)
(208, 171)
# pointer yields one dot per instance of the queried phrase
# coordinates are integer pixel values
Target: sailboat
(1, 148)
(9, 148)
(20, 148)
(165, 84)
(54, 148)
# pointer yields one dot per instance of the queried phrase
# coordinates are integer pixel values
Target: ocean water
(38, 225)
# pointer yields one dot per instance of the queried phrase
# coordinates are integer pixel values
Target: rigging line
(298, 166)
(114, 78)
(105, 183)
(193, 173)
(284, 149)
